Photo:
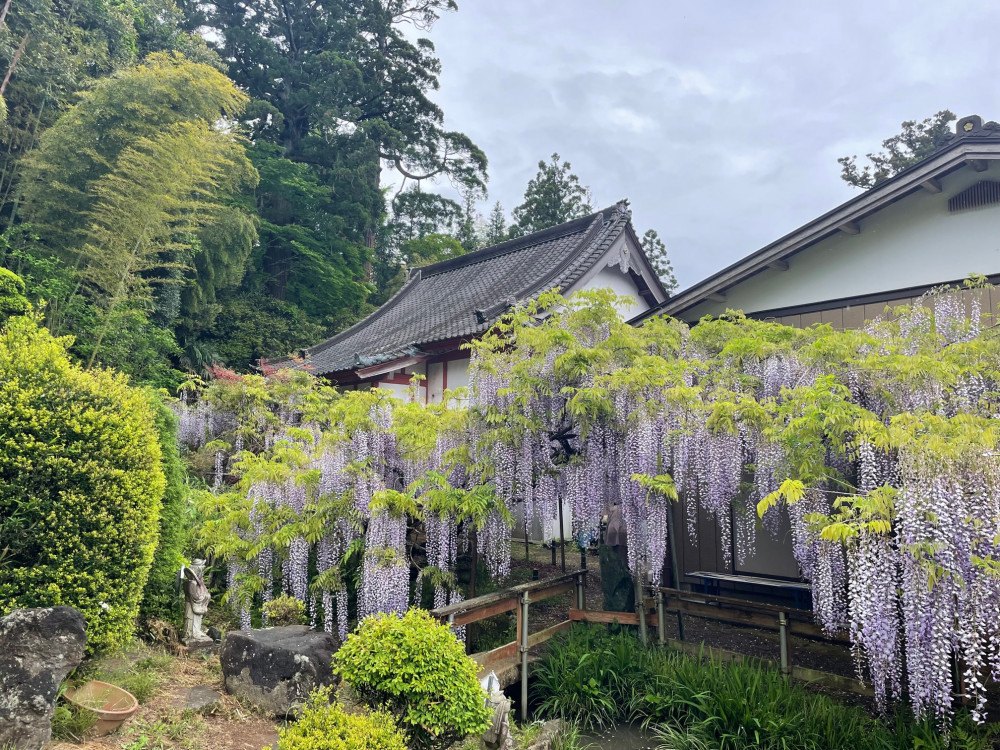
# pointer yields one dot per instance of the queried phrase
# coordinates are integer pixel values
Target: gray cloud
(721, 121)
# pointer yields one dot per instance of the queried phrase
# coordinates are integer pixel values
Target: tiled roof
(464, 296)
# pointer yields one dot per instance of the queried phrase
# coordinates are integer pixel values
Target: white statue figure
(196, 599)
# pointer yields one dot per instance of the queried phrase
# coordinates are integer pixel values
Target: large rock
(276, 668)
(38, 648)
(616, 580)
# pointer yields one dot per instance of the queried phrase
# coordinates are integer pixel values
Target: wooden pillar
(786, 668)
(523, 617)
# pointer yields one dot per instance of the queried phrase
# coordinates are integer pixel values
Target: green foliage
(118, 113)
(553, 196)
(80, 485)
(495, 230)
(255, 326)
(656, 251)
(915, 142)
(418, 669)
(285, 610)
(599, 677)
(12, 299)
(326, 726)
(160, 597)
(71, 723)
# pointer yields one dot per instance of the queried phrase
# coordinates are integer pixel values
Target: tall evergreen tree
(495, 230)
(913, 143)
(468, 232)
(656, 251)
(552, 197)
(340, 93)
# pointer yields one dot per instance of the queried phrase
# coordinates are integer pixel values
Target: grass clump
(600, 677)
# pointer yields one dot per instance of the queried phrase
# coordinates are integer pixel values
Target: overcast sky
(722, 121)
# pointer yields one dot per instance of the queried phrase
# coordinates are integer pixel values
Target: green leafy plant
(604, 676)
(419, 671)
(326, 726)
(285, 610)
(80, 485)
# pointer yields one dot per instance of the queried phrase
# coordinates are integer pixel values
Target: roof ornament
(620, 210)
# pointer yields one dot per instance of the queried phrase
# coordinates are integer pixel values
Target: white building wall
(611, 277)
(914, 242)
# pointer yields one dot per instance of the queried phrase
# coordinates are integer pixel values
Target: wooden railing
(517, 598)
(656, 604)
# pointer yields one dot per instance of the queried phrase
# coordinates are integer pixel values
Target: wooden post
(562, 537)
(786, 669)
(661, 629)
(524, 655)
(640, 608)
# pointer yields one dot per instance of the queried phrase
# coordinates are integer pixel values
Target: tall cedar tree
(339, 93)
(656, 251)
(553, 196)
(915, 142)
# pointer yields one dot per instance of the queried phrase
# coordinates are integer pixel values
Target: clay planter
(111, 704)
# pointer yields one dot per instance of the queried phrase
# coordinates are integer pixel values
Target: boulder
(616, 580)
(277, 668)
(200, 699)
(38, 648)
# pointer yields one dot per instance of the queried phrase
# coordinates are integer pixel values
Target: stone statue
(196, 599)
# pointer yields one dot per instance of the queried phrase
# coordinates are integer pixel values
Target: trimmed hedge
(80, 485)
(161, 598)
(418, 670)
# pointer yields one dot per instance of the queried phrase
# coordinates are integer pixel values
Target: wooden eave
(847, 217)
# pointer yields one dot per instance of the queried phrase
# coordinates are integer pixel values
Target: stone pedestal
(616, 580)
(277, 668)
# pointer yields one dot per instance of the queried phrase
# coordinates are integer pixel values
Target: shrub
(326, 726)
(80, 485)
(419, 671)
(12, 299)
(160, 599)
(285, 610)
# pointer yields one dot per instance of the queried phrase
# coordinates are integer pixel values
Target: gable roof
(972, 144)
(461, 297)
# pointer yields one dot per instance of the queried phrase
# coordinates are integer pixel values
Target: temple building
(421, 329)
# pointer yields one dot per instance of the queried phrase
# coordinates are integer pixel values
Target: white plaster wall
(458, 373)
(611, 277)
(435, 382)
(914, 242)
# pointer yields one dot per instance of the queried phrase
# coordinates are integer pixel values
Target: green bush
(80, 485)
(160, 598)
(419, 671)
(12, 299)
(325, 726)
(285, 610)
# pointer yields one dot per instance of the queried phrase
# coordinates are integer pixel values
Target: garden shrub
(285, 610)
(161, 598)
(80, 485)
(12, 299)
(326, 726)
(417, 669)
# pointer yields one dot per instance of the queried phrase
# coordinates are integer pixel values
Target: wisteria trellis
(880, 445)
